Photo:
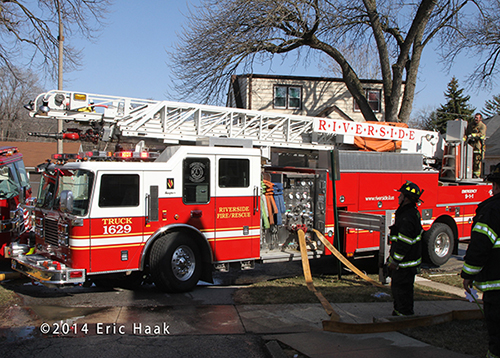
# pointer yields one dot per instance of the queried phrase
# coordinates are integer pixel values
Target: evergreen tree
(457, 107)
(491, 107)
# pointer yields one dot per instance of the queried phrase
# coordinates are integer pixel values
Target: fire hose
(9, 276)
(335, 325)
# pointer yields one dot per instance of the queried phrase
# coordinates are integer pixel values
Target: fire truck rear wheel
(438, 244)
(175, 263)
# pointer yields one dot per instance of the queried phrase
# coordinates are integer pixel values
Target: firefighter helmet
(494, 176)
(411, 190)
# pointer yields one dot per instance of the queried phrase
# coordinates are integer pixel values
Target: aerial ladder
(111, 118)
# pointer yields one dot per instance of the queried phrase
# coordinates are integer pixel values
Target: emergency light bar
(136, 155)
(8, 150)
(66, 157)
(103, 155)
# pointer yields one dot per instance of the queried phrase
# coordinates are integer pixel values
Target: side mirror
(66, 201)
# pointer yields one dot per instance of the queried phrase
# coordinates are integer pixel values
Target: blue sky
(130, 58)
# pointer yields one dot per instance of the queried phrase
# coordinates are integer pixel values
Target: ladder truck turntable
(232, 187)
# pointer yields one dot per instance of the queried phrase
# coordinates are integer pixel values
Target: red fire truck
(232, 187)
(15, 189)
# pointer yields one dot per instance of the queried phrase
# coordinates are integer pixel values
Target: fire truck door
(198, 195)
(118, 221)
(237, 208)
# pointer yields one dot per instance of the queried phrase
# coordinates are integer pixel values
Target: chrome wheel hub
(442, 245)
(183, 263)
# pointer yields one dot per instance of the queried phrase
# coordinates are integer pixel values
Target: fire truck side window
(118, 190)
(234, 173)
(196, 177)
(23, 176)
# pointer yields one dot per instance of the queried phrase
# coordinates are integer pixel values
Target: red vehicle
(15, 189)
(229, 201)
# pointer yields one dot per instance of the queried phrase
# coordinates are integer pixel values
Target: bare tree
(477, 38)
(424, 118)
(17, 88)
(29, 30)
(360, 59)
(224, 36)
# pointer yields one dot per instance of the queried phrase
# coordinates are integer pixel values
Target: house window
(373, 97)
(288, 97)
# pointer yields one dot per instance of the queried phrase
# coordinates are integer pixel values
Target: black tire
(438, 244)
(175, 263)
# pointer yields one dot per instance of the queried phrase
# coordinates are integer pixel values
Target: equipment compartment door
(237, 208)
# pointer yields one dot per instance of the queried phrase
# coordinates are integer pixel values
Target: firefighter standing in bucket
(406, 249)
(482, 261)
(476, 136)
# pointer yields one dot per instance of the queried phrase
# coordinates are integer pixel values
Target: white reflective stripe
(405, 239)
(120, 240)
(219, 234)
(79, 242)
(410, 263)
(486, 230)
(409, 240)
(398, 256)
(471, 270)
(488, 286)
(235, 233)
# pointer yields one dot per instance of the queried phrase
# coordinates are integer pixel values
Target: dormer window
(287, 97)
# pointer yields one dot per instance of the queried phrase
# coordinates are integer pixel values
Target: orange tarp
(379, 145)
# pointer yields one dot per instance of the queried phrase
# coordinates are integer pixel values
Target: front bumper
(47, 272)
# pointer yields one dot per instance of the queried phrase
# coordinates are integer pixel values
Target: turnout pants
(491, 300)
(402, 281)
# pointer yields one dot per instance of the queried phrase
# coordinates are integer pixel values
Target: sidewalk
(296, 325)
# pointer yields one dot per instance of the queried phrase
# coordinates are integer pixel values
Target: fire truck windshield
(79, 182)
(9, 182)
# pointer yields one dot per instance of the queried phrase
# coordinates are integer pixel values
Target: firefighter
(482, 261)
(476, 135)
(406, 249)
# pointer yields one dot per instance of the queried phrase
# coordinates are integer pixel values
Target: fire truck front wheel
(175, 263)
(438, 244)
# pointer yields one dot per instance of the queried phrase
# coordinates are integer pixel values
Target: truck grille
(51, 232)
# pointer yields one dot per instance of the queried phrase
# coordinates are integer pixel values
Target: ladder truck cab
(15, 191)
(230, 188)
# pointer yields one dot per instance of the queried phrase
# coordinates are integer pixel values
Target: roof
(304, 78)
(492, 124)
(492, 149)
(35, 153)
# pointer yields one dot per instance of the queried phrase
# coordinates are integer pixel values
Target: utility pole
(60, 73)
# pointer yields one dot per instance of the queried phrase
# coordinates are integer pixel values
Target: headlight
(63, 234)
